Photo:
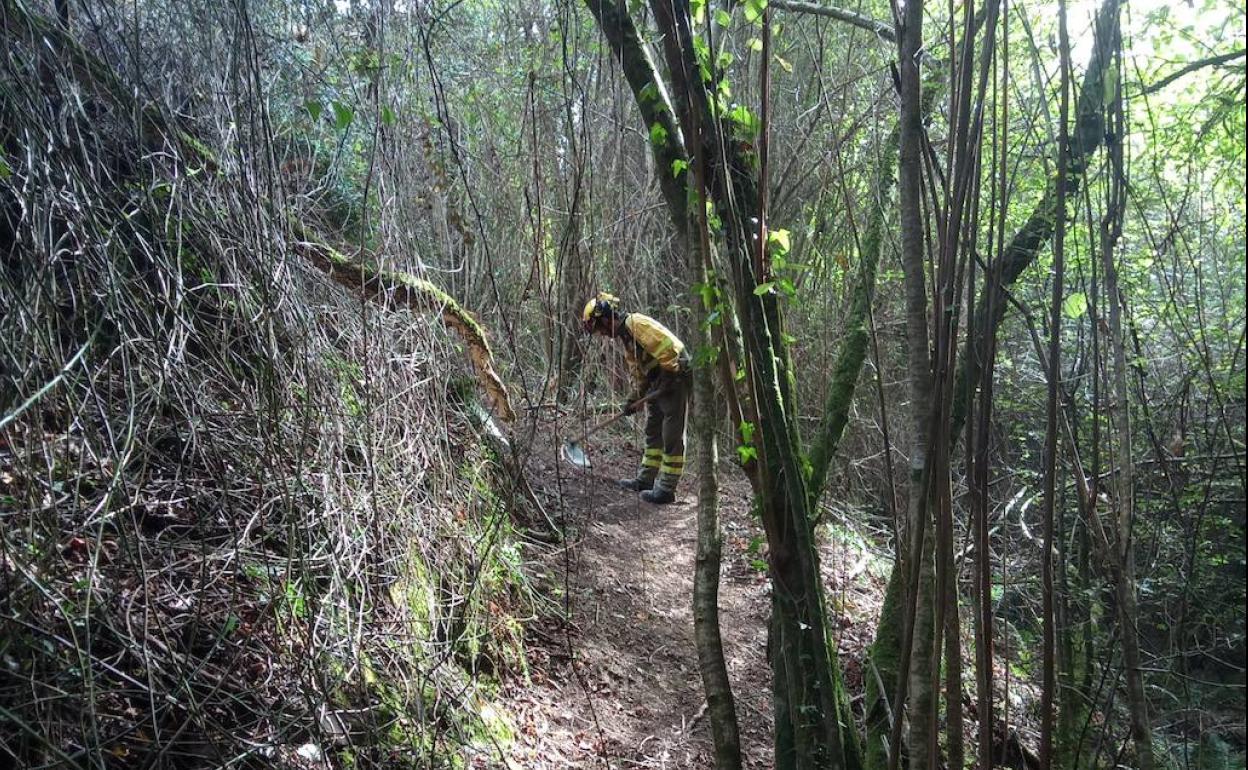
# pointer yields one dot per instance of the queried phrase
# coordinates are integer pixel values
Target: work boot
(651, 459)
(638, 484)
(664, 490)
(658, 496)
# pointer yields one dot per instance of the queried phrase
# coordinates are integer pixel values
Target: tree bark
(813, 720)
(653, 100)
(1124, 479)
(1048, 680)
(720, 704)
(853, 350)
(914, 671)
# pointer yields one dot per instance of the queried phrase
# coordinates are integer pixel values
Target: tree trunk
(813, 719)
(1111, 230)
(1029, 241)
(715, 682)
(1048, 682)
(916, 652)
(853, 351)
(881, 674)
(921, 710)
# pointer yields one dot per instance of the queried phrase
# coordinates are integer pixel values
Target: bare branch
(1212, 61)
(883, 30)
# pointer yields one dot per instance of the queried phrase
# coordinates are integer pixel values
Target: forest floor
(613, 677)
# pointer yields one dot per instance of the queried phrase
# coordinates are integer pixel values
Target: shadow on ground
(616, 684)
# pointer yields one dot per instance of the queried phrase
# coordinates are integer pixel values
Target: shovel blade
(575, 454)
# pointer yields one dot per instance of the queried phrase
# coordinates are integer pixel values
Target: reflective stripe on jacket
(654, 347)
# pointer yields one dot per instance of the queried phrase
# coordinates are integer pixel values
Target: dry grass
(239, 511)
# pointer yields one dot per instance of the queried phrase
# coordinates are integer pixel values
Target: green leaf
(759, 565)
(387, 116)
(723, 18)
(784, 64)
(746, 121)
(754, 44)
(314, 108)
(702, 50)
(706, 356)
(706, 292)
(697, 11)
(678, 167)
(746, 453)
(5, 171)
(779, 241)
(787, 287)
(1075, 305)
(763, 288)
(746, 429)
(343, 115)
(754, 10)
(658, 135)
(648, 93)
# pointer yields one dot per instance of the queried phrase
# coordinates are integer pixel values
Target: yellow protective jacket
(654, 349)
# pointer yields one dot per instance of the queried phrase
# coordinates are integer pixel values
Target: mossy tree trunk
(812, 718)
(711, 665)
(394, 289)
(674, 174)
(1031, 238)
(881, 673)
(853, 350)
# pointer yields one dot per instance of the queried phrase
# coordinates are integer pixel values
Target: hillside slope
(245, 516)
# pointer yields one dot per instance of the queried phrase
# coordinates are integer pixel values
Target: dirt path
(617, 685)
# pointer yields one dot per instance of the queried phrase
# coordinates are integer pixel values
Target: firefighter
(661, 370)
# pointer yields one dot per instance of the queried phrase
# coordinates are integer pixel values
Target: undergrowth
(241, 524)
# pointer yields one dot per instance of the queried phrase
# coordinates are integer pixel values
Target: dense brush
(225, 525)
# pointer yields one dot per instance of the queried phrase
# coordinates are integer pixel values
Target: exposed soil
(616, 685)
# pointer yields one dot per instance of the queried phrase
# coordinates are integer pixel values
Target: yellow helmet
(600, 306)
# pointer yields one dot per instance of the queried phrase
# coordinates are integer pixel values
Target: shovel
(572, 450)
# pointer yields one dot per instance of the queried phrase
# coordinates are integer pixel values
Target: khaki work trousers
(665, 429)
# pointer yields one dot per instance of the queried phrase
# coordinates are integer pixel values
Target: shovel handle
(611, 421)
